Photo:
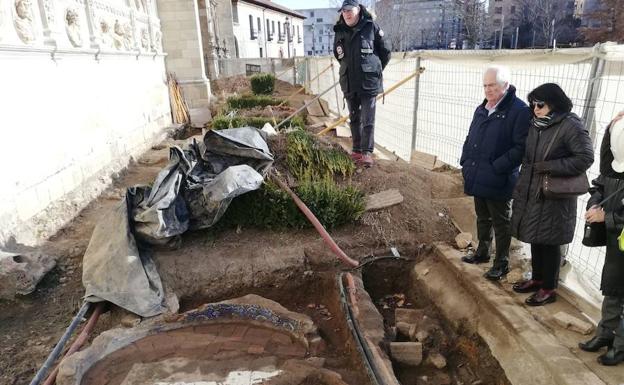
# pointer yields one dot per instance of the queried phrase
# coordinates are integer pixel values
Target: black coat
(494, 147)
(362, 53)
(536, 219)
(607, 183)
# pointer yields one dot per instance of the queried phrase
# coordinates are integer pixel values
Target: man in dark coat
(490, 160)
(610, 183)
(362, 52)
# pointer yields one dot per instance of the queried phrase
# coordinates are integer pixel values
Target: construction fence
(431, 113)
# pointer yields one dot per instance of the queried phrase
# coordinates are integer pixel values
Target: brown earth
(31, 325)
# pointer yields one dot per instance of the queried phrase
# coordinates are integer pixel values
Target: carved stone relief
(24, 21)
(48, 7)
(157, 41)
(106, 38)
(144, 40)
(72, 26)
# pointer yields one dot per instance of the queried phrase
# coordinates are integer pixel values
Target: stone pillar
(182, 42)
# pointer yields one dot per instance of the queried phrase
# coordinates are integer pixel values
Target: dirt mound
(278, 112)
(231, 85)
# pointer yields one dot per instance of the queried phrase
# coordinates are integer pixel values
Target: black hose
(58, 349)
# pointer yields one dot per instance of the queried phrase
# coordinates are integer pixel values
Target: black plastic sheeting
(192, 192)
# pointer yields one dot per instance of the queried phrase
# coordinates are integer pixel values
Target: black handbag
(595, 233)
(560, 187)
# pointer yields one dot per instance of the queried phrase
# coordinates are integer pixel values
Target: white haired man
(490, 161)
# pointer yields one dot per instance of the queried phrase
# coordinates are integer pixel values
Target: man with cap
(362, 53)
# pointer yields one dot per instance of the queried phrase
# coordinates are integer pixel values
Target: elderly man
(490, 160)
(362, 53)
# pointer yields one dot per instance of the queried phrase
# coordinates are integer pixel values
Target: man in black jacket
(362, 53)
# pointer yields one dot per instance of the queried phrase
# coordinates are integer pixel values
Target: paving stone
(408, 353)
(570, 322)
(437, 360)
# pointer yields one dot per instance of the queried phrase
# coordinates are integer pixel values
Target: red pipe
(318, 226)
(82, 338)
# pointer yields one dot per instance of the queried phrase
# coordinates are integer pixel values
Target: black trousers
(494, 217)
(612, 323)
(362, 115)
(545, 262)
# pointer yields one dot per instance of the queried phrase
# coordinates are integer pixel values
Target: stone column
(182, 42)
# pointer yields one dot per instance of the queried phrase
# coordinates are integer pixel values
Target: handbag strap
(610, 196)
(552, 141)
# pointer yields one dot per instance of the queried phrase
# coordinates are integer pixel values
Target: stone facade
(83, 91)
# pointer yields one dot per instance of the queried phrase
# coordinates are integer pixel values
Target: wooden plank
(424, 160)
(343, 131)
(383, 199)
(314, 108)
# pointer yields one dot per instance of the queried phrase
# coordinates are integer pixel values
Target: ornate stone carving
(157, 41)
(48, 7)
(106, 39)
(122, 36)
(145, 44)
(23, 21)
(72, 26)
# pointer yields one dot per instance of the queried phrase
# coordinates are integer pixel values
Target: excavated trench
(321, 328)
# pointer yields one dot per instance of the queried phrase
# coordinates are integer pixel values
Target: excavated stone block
(21, 272)
(408, 353)
(463, 240)
(437, 360)
(408, 316)
(572, 323)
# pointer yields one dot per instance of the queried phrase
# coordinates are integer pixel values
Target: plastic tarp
(192, 192)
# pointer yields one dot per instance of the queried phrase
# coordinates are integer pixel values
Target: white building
(319, 30)
(265, 29)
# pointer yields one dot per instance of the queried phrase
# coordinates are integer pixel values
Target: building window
(309, 53)
(513, 9)
(273, 27)
(320, 39)
(279, 31)
(497, 22)
(311, 13)
(252, 33)
(261, 52)
(268, 31)
(498, 10)
(235, 12)
(259, 26)
(319, 20)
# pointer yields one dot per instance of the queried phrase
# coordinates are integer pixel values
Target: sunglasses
(537, 104)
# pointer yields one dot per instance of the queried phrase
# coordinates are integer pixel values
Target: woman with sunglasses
(610, 184)
(557, 144)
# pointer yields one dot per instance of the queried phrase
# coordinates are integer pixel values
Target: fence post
(415, 112)
(338, 110)
(273, 67)
(294, 71)
(591, 96)
(308, 77)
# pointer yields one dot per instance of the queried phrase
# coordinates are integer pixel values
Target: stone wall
(83, 91)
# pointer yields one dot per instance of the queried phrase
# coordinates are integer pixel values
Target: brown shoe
(367, 160)
(541, 297)
(527, 286)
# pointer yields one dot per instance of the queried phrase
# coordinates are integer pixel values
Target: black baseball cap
(347, 4)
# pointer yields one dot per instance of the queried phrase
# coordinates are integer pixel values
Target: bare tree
(472, 15)
(547, 20)
(606, 23)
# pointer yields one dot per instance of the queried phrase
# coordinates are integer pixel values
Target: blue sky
(303, 4)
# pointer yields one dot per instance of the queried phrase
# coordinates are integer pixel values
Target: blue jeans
(362, 115)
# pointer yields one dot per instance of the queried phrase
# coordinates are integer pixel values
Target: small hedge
(308, 160)
(222, 122)
(263, 84)
(251, 101)
(272, 208)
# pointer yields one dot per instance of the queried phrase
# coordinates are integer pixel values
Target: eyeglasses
(537, 104)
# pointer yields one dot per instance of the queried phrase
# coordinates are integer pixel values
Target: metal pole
(294, 71)
(517, 34)
(500, 38)
(591, 96)
(338, 110)
(415, 112)
(552, 33)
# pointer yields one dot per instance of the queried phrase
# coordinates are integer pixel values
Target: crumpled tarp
(192, 192)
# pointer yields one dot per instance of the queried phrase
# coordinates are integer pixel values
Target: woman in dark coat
(544, 223)
(610, 183)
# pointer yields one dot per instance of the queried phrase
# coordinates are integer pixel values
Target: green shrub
(262, 84)
(308, 160)
(272, 208)
(251, 101)
(222, 122)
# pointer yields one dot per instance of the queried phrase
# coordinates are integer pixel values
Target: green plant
(251, 101)
(222, 122)
(262, 84)
(308, 160)
(272, 208)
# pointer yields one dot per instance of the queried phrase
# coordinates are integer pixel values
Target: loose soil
(468, 357)
(31, 325)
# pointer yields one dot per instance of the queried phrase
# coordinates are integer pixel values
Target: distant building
(410, 24)
(259, 28)
(319, 30)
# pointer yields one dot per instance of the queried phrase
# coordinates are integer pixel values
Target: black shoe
(596, 344)
(611, 357)
(476, 258)
(541, 298)
(527, 286)
(496, 273)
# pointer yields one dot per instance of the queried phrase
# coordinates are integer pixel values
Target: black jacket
(607, 183)
(362, 53)
(494, 148)
(536, 219)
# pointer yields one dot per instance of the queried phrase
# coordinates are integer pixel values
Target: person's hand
(595, 215)
(618, 116)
